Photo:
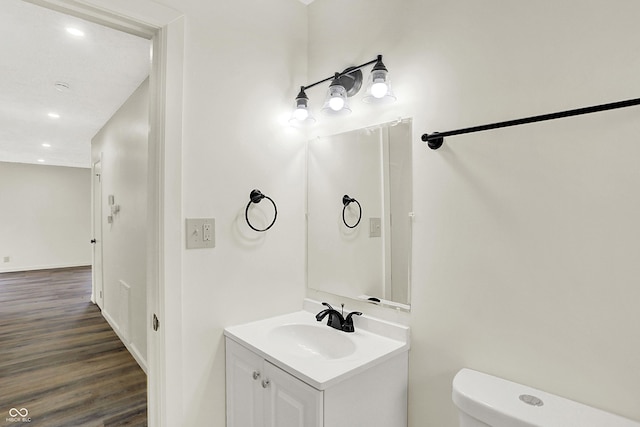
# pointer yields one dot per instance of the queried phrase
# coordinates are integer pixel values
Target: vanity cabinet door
(259, 394)
(289, 401)
(245, 395)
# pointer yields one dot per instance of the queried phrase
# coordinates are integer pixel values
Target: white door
(245, 395)
(98, 289)
(289, 401)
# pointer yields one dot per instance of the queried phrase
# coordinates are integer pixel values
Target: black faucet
(336, 320)
(347, 326)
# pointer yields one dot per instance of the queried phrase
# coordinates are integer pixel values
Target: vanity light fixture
(343, 86)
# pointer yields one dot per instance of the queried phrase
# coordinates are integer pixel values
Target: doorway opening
(165, 28)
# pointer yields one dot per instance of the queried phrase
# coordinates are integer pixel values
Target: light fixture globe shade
(378, 85)
(337, 97)
(336, 103)
(379, 89)
(300, 114)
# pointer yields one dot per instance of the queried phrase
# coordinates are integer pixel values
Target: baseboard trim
(131, 348)
(41, 267)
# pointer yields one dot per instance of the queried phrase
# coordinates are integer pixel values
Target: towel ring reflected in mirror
(346, 201)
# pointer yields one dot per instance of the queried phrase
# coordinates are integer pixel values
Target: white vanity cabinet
(259, 394)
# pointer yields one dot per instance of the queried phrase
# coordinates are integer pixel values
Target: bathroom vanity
(293, 371)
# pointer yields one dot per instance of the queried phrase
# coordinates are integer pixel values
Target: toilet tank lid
(497, 402)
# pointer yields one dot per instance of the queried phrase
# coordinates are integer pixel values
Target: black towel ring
(255, 197)
(346, 200)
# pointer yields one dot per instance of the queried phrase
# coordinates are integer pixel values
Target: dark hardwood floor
(59, 358)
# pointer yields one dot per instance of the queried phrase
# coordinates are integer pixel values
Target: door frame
(165, 28)
(97, 285)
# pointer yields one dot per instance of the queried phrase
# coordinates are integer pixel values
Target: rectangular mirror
(359, 213)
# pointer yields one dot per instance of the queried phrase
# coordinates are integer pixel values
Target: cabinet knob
(256, 375)
(265, 383)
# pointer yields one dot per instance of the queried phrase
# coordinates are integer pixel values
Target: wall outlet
(7, 259)
(200, 233)
(207, 232)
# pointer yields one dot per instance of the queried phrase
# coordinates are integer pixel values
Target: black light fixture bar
(344, 73)
(434, 140)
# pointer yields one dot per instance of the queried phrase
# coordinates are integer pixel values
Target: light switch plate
(200, 233)
(375, 227)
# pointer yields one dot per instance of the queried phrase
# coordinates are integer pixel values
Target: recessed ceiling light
(46, 145)
(54, 115)
(75, 32)
(40, 160)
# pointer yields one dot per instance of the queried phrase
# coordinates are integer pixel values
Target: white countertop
(370, 348)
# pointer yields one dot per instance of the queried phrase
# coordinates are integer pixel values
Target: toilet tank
(485, 400)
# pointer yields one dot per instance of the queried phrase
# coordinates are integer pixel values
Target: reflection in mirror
(362, 177)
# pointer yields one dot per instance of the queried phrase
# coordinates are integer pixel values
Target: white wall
(45, 216)
(243, 62)
(122, 142)
(525, 239)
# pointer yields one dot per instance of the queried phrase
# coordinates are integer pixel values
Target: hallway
(59, 358)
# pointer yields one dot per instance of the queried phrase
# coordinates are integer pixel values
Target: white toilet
(487, 401)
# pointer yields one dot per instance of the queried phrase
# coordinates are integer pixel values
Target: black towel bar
(434, 140)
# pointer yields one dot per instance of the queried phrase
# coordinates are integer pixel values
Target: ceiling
(95, 73)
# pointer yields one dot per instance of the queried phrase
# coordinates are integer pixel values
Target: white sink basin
(312, 341)
(316, 353)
